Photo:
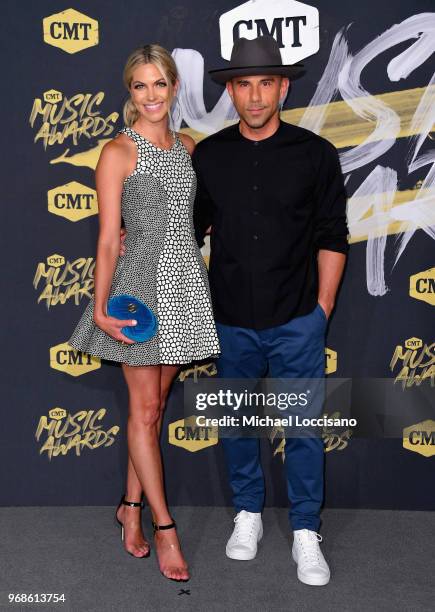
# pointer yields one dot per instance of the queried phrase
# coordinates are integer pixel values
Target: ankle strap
(156, 527)
(132, 504)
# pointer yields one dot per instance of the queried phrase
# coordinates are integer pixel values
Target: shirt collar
(265, 141)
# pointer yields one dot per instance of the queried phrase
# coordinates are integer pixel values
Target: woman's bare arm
(109, 177)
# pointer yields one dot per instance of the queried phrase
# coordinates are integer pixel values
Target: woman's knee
(146, 413)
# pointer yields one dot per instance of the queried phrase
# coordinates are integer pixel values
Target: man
(274, 197)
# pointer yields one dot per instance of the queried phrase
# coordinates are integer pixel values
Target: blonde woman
(145, 175)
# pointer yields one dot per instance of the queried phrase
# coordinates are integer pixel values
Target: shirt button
(255, 163)
(255, 187)
(255, 237)
(255, 143)
(255, 212)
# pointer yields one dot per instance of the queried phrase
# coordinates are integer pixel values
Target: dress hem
(153, 362)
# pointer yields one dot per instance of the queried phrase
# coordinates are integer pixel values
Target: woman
(145, 174)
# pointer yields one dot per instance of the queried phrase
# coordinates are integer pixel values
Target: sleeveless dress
(162, 266)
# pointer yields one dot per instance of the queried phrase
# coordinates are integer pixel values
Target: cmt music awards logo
(70, 31)
(294, 25)
(414, 363)
(188, 435)
(65, 358)
(56, 118)
(59, 280)
(73, 201)
(422, 286)
(420, 438)
(61, 432)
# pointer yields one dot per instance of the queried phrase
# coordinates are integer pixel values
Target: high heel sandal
(172, 525)
(125, 502)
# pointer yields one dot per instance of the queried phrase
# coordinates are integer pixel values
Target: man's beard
(256, 123)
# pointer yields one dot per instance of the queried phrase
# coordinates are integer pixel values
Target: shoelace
(244, 527)
(310, 546)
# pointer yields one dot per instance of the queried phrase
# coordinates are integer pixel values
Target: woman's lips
(153, 107)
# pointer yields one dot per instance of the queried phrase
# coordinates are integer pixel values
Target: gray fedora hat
(258, 56)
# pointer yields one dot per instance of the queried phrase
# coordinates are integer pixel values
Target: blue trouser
(293, 350)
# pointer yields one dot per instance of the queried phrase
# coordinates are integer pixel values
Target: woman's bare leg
(144, 387)
(168, 373)
(166, 541)
(134, 540)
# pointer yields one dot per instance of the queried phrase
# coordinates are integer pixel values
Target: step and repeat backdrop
(368, 88)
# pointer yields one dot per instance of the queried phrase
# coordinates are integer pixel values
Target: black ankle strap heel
(156, 527)
(125, 502)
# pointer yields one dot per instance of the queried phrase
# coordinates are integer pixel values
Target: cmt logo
(52, 96)
(70, 31)
(413, 343)
(331, 361)
(294, 25)
(55, 261)
(187, 434)
(57, 414)
(66, 359)
(422, 286)
(73, 201)
(420, 438)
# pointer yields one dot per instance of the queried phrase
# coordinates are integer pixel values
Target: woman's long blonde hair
(149, 54)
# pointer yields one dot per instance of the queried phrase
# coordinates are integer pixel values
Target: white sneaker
(248, 531)
(312, 567)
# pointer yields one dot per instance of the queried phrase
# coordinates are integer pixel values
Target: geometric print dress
(162, 265)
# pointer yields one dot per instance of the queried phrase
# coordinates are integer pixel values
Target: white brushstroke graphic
(387, 122)
(377, 192)
(422, 208)
(314, 116)
(190, 65)
(420, 212)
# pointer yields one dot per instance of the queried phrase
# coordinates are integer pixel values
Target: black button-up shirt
(272, 205)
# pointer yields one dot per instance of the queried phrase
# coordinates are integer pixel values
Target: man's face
(256, 98)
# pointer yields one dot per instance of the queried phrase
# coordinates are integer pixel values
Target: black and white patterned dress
(162, 266)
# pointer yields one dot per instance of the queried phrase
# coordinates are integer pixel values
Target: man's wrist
(327, 304)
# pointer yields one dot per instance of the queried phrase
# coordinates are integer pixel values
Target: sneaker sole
(313, 581)
(239, 556)
(309, 579)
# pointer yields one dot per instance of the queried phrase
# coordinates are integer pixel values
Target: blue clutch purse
(128, 307)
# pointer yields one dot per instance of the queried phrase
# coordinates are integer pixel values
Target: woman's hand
(113, 326)
(122, 241)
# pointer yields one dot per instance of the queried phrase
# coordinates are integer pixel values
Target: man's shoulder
(295, 133)
(226, 135)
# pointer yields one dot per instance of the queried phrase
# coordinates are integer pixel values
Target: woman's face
(149, 92)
